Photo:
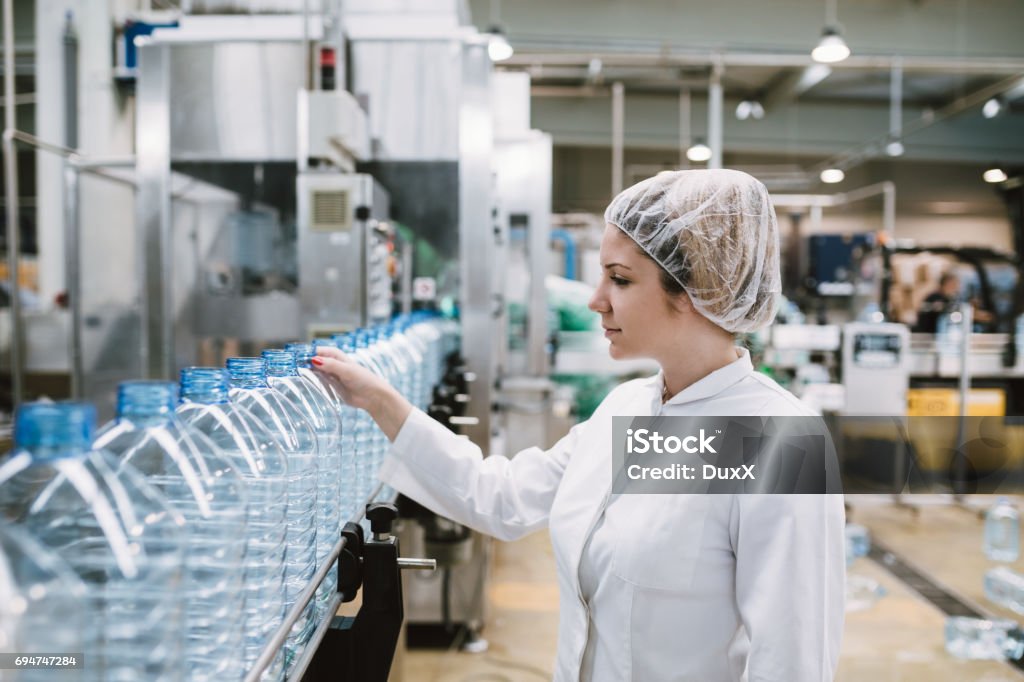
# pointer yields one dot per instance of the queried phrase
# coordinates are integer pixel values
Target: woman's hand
(359, 387)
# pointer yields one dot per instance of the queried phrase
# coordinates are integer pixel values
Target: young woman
(655, 587)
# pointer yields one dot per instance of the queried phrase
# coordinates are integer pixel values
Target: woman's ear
(682, 304)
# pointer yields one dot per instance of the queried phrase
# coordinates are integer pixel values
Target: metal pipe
(715, 116)
(685, 139)
(896, 100)
(70, 81)
(966, 325)
(618, 134)
(11, 191)
(657, 55)
(73, 276)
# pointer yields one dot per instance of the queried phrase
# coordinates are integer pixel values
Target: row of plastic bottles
(994, 639)
(180, 535)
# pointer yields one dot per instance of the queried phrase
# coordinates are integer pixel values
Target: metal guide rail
(309, 651)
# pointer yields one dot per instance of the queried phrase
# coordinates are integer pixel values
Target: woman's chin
(617, 353)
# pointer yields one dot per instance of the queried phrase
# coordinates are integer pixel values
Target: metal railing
(280, 636)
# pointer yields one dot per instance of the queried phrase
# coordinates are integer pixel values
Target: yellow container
(945, 402)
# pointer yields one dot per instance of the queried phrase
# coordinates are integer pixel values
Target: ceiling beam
(793, 84)
(526, 57)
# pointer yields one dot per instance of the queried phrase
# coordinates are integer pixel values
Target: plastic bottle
(1006, 588)
(199, 482)
(43, 604)
(297, 440)
(304, 353)
(862, 592)
(1002, 532)
(858, 542)
(283, 375)
(113, 528)
(366, 440)
(253, 450)
(981, 639)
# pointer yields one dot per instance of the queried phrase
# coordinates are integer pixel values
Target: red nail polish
(316, 361)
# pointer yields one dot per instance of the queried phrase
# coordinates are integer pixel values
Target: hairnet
(714, 232)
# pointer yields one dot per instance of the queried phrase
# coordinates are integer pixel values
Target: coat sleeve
(790, 584)
(506, 498)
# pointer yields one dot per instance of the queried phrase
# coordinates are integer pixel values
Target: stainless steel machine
(344, 248)
(876, 368)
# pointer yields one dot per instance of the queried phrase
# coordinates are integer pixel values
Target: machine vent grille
(331, 210)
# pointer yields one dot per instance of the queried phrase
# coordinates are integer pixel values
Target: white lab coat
(702, 588)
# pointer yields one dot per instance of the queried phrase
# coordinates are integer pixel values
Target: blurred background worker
(937, 303)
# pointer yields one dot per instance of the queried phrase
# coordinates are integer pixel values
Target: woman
(655, 587)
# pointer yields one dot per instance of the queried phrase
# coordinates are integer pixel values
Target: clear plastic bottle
(1002, 532)
(862, 592)
(858, 542)
(44, 606)
(1006, 588)
(199, 482)
(366, 440)
(283, 375)
(253, 450)
(113, 528)
(304, 353)
(982, 639)
(297, 440)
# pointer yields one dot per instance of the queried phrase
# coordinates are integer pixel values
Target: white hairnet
(714, 232)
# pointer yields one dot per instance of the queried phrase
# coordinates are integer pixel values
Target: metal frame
(153, 207)
(476, 238)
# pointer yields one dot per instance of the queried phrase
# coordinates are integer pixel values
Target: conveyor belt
(937, 595)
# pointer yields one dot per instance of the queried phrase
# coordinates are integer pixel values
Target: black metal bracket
(363, 647)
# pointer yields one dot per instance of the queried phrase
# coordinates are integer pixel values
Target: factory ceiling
(950, 57)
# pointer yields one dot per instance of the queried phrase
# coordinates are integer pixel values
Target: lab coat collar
(711, 385)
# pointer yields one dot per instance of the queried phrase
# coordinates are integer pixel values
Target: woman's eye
(618, 281)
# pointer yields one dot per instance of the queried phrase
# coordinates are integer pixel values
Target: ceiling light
(991, 108)
(831, 48)
(832, 175)
(699, 152)
(498, 49)
(894, 148)
(749, 109)
(994, 175)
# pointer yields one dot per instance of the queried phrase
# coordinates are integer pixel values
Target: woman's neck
(696, 361)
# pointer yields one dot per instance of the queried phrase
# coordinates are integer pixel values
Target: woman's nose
(598, 302)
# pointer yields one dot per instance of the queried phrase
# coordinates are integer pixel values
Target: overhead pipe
(685, 138)
(816, 202)
(657, 55)
(715, 116)
(618, 134)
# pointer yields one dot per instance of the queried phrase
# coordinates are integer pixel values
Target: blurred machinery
(344, 252)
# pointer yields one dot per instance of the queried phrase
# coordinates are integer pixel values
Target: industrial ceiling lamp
(831, 48)
(699, 152)
(831, 176)
(992, 108)
(994, 175)
(749, 109)
(498, 49)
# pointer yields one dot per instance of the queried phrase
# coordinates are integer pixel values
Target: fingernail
(316, 361)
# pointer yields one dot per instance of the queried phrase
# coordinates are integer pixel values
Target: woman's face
(637, 315)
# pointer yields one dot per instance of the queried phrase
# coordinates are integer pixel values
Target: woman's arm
(446, 473)
(790, 584)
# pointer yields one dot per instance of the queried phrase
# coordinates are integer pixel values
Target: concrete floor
(899, 639)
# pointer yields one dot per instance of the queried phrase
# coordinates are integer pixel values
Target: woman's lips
(608, 332)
